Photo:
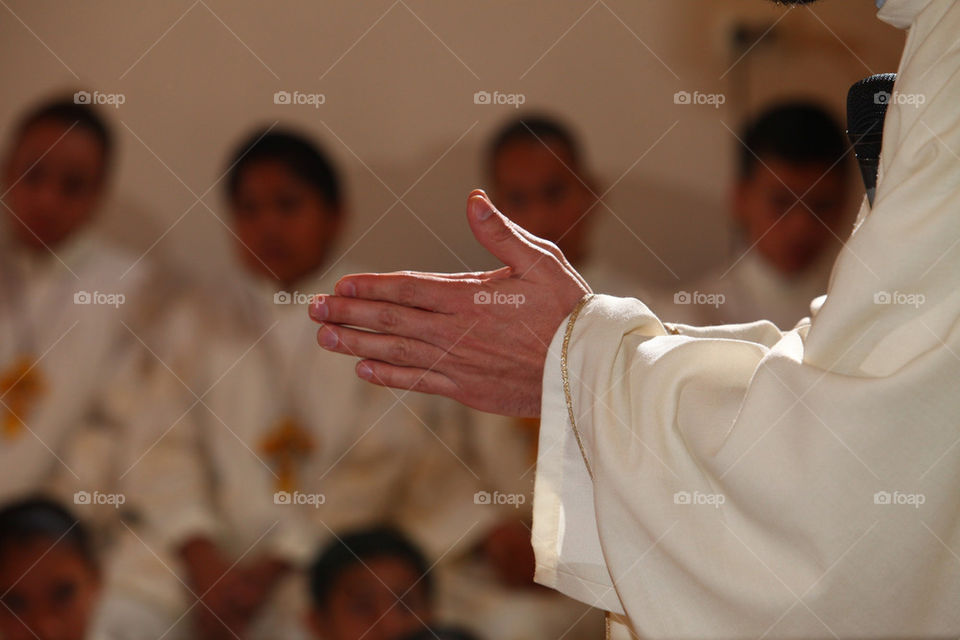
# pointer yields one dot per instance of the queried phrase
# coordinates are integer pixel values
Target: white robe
(382, 455)
(749, 290)
(76, 312)
(749, 482)
(203, 471)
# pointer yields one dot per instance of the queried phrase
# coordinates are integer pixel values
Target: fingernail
(327, 338)
(364, 371)
(318, 308)
(482, 208)
(347, 289)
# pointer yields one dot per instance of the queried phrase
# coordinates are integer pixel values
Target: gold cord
(566, 377)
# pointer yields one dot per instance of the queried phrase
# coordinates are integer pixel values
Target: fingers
(547, 250)
(463, 275)
(409, 289)
(385, 317)
(404, 352)
(553, 250)
(411, 378)
(505, 240)
(511, 243)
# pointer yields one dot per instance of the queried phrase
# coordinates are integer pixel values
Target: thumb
(498, 235)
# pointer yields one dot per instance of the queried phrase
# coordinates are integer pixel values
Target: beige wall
(399, 116)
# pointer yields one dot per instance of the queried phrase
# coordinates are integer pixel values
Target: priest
(737, 480)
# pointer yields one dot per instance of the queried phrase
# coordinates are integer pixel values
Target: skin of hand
(232, 595)
(217, 616)
(480, 338)
(258, 580)
(508, 551)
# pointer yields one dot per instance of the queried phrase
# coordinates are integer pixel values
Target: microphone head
(867, 103)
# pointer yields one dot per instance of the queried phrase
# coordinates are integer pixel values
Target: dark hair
(441, 633)
(68, 112)
(533, 128)
(795, 132)
(360, 546)
(301, 156)
(30, 519)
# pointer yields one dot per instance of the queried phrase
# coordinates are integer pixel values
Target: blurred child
(263, 446)
(467, 503)
(789, 205)
(371, 584)
(482, 540)
(67, 303)
(49, 576)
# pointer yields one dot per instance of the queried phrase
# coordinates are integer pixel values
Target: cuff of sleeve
(177, 528)
(565, 535)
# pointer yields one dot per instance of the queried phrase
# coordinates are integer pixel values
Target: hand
(509, 551)
(479, 338)
(219, 614)
(259, 579)
(230, 596)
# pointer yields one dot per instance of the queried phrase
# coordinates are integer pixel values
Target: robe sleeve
(635, 444)
(569, 554)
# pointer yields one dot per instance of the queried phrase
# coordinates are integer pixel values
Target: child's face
(363, 604)
(49, 591)
(536, 187)
(284, 227)
(807, 227)
(53, 179)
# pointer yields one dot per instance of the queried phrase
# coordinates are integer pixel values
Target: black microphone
(867, 103)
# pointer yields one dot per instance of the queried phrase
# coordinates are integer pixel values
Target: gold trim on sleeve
(566, 378)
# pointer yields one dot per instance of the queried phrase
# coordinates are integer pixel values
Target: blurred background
(186, 429)
(398, 81)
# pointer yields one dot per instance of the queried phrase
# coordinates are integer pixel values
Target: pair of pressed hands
(480, 338)
(230, 595)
